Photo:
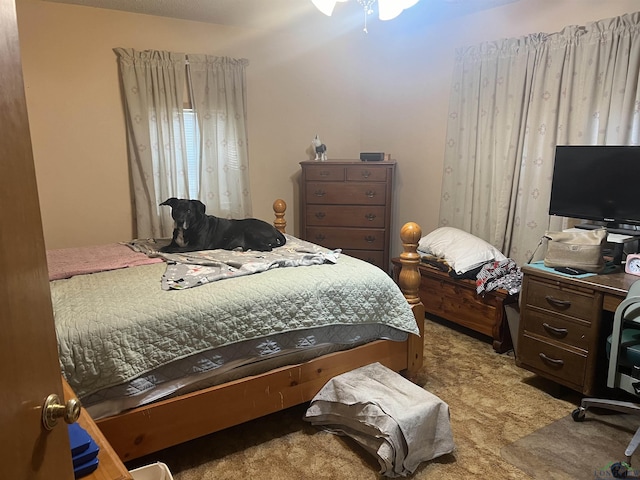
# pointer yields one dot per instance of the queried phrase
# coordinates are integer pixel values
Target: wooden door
(29, 369)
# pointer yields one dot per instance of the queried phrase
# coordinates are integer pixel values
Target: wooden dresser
(346, 204)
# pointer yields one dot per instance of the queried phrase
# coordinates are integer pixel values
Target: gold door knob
(52, 410)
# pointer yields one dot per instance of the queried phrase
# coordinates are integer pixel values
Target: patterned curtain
(153, 86)
(512, 102)
(217, 86)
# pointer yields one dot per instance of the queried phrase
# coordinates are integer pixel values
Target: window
(192, 139)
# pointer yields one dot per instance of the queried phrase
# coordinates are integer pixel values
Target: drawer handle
(319, 193)
(320, 237)
(320, 215)
(370, 216)
(324, 173)
(557, 302)
(366, 173)
(370, 193)
(553, 361)
(370, 239)
(558, 332)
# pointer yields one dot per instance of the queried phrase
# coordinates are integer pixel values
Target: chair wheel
(619, 470)
(578, 414)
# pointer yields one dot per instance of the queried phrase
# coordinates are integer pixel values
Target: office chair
(623, 350)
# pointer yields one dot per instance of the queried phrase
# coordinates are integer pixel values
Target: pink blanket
(66, 262)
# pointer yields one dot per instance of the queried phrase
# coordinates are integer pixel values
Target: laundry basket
(155, 471)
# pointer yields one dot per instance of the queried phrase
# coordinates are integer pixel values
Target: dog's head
(185, 212)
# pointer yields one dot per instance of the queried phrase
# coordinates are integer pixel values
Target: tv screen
(597, 182)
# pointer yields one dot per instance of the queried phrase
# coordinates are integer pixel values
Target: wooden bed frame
(159, 425)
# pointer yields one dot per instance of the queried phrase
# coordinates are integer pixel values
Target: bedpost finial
(410, 233)
(409, 277)
(279, 207)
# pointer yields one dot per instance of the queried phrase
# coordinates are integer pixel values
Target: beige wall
(405, 111)
(385, 91)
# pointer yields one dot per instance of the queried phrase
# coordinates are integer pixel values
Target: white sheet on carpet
(374, 403)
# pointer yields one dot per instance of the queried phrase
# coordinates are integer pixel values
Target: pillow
(461, 250)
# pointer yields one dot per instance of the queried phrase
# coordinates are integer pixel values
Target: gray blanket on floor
(392, 418)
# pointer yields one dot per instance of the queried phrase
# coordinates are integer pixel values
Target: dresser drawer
(346, 193)
(364, 173)
(325, 172)
(372, 256)
(356, 238)
(552, 360)
(562, 299)
(557, 328)
(346, 216)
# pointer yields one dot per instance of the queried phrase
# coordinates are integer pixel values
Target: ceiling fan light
(389, 9)
(325, 6)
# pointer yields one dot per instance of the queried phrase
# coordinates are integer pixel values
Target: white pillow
(461, 250)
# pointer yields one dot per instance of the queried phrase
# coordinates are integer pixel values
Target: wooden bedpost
(409, 281)
(279, 207)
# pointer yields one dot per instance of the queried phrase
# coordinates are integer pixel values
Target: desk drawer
(555, 298)
(556, 328)
(554, 361)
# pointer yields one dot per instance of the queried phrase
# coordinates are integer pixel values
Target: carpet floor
(493, 404)
(586, 451)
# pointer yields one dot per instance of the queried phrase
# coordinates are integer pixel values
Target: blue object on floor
(84, 451)
(89, 454)
(85, 468)
(78, 438)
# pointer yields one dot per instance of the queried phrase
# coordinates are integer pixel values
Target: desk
(560, 323)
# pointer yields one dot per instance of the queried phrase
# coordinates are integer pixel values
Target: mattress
(124, 341)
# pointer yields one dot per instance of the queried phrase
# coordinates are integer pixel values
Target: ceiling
(261, 13)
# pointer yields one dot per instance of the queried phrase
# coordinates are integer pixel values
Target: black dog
(196, 231)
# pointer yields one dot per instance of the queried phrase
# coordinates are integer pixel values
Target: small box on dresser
(347, 204)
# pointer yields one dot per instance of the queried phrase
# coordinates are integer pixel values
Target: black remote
(570, 270)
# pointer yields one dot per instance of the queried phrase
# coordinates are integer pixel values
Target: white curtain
(512, 102)
(217, 86)
(154, 85)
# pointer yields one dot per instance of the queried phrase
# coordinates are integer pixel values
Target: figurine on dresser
(320, 149)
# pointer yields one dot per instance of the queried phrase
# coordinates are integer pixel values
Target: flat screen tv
(597, 182)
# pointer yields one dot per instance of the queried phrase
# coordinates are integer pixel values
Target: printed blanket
(494, 275)
(186, 270)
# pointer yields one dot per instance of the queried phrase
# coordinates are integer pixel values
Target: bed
(280, 313)
(450, 262)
